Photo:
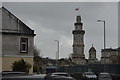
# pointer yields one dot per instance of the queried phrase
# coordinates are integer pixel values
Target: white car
(89, 75)
(60, 74)
(63, 78)
(104, 76)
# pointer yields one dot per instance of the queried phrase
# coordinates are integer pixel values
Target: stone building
(110, 56)
(92, 55)
(17, 41)
(78, 56)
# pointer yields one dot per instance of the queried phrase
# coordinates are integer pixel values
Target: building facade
(92, 55)
(110, 56)
(17, 41)
(78, 56)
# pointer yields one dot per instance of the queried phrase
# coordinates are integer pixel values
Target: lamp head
(100, 20)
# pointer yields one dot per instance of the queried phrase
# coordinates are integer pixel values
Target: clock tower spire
(78, 56)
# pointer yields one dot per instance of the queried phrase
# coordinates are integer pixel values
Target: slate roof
(22, 29)
(92, 49)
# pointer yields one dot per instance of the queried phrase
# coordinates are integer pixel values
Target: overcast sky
(55, 21)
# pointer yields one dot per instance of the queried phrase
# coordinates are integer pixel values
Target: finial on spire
(92, 45)
(78, 19)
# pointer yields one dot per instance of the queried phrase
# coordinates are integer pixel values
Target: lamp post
(57, 53)
(104, 39)
(57, 49)
(104, 31)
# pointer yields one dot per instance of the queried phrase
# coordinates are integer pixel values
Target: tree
(37, 60)
(21, 66)
(36, 52)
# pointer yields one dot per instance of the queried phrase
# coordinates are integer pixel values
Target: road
(41, 76)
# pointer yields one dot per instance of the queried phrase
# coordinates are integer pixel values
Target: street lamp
(57, 49)
(57, 53)
(104, 39)
(104, 31)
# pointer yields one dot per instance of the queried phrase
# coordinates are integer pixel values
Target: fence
(97, 68)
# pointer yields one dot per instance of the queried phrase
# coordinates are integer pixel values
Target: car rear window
(105, 75)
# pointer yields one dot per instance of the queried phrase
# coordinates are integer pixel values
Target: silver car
(27, 77)
(89, 76)
(104, 76)
(58, 76)
(63, 78)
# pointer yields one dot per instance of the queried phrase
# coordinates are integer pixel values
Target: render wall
(7, 62)
(12, 31)
(9, 21)
(11, 45)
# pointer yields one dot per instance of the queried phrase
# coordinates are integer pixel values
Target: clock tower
(78, 56)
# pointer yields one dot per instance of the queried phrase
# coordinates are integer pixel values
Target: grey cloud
(57, 22)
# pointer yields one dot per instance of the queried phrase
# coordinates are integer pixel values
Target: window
(24, 45)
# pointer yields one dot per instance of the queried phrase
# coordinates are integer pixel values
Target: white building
(17, 41)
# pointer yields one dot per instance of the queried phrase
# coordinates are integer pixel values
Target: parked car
(27, 77)
(12, 73)
(104, 76)
(58, 76)
(63, 78)
(89, 75)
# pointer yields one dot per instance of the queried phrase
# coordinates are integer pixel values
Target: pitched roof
(21, 28)
(92, 49)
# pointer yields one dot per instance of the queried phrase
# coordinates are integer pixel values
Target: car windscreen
(105, 76)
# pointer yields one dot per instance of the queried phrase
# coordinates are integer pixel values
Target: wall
(9, 21)
(107, 55)
(13, 30)
(7, 62)
(11, 45)
(0, 40)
